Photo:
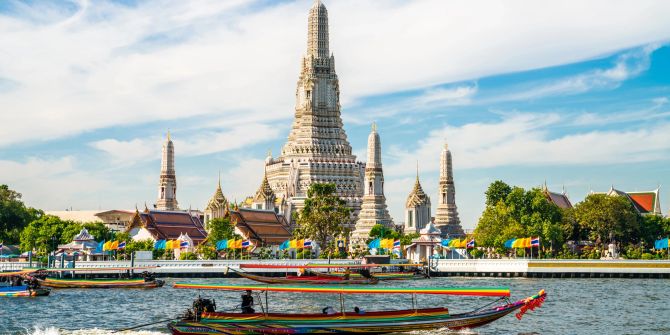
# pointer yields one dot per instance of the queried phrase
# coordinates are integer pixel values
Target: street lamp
(53, 246)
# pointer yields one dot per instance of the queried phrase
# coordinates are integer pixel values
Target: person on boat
(357, 310)
(347, 273)
(247, 303)
(329, 310)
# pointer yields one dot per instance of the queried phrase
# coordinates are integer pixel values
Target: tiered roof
(559, 199)
(417, 197)
(264, 191)
(218, 200)
(169, 225)
(261, 225)
(645, 202)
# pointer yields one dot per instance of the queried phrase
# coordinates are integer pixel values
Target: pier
(572, 268)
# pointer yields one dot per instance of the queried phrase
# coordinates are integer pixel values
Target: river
(573, 306)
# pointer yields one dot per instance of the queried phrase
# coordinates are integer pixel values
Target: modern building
(317, 149)
(446, 215)
(373, 208)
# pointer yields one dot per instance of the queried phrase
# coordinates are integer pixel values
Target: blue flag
(445, 242)
(98, 249)
(508, 243)
(220, 245)
(661, 244)
(375, 244)
(159, 245)
(284, 245)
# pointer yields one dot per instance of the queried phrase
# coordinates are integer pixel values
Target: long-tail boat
(18, 288)
(381, 276)
(309, 279)
(147, 280)
(204, 320)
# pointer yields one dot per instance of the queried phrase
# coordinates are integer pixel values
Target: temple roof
(169, 225)
(264, 191)
(559, 199)
(262, 225)
(218, 200)
(417, 197)
(83, 236)
(645, 202)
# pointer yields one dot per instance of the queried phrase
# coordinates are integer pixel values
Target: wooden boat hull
(100, 283)
(316, 280)
(386, 276)
(370, 323)
(23, 291)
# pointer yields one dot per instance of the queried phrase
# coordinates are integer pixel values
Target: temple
(559, 199)
(417, 208)
(446, 215)
(317, 149)
(373, 208)
(645, 202)
(166, 225)
(217, 206)
(167, 186)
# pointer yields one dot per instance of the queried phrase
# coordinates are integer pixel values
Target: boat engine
(201, 305)
(148, 276)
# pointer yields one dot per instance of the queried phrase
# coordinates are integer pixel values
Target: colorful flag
(114, 245)
(470, 244)
(526, 242)
(246, 243)
(98, 249)
(396, 244)
(293, 244)
(445, 242)
(307, 244)
(509, 243)
(374, 244)
(284, 245)
(159, 245)
(238, 244)
(184, 244)
(299, 243)
(231, 244)
(220, 245)
(122, 245)
(661, 244)
(535, 241)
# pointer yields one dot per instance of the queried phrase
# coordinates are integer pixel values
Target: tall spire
(374, 149)
(167, 186)
(446, 215)
(317, 31)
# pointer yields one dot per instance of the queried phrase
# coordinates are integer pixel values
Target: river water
(573, 306)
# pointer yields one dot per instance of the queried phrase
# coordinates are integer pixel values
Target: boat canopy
(319, 266)
(29, 270)
(16, 273)
(469, 291)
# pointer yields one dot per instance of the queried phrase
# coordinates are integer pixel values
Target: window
(259, 206)
(370, 188)
(444, 197)
(410, 219)
(162, 192)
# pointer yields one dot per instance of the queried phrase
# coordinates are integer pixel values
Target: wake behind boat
(20, 287)
(204, 320)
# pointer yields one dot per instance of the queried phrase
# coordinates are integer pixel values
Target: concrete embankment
(442, 267)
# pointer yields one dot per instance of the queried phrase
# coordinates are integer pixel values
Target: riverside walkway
(441, 267)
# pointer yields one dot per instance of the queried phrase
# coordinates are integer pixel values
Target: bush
(190, 256)
(647, 256)
(476, 253)
(304, 254)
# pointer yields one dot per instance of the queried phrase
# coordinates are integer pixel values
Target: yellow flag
(114, 246)
(238, 244)
(299, 244)
(292, 244)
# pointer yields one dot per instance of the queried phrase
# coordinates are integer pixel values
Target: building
(645, 202)
(426, 245)
(446, 215)
(373, 208)
(559, 199)
(82, 247)
(417, 208)
(317, 149)
(260, 227)
(217, 207)
(166, 225)
(167, 185)
(115, 219)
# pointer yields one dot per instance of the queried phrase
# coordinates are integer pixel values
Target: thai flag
(471, 244)
(396, 244)
(535, 241)
(246, 243)
(183, 244)
(122, 245)
(307, 244)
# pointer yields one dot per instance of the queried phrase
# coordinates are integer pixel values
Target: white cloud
(525, 140)
(108, 64)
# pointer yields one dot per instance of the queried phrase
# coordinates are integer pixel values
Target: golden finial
(168, 134)
(374, 126)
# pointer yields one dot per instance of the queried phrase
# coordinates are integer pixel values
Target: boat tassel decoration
(531, 303)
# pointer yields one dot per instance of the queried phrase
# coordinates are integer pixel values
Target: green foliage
(14, 215)
(303, 254)
(221, 229)
(38, 234)
(647, 256)
(497, 192)
(190, 256)
(406, 239)
(608, 218)
(323, 216)
(633, 252)
(206, 251)
(380, 231)
(476, 253)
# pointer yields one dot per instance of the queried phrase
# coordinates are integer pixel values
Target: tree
(323, 216)
(37, 235)
(97, 229)
(14, 215)
(221, 229)
(380, 231)
(497, 191)
(608, 217)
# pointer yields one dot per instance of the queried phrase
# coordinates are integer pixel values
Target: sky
(572, 94)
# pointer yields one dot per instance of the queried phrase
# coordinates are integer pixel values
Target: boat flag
(307, 244)
(470, 244)
(184, 244)
(396, 244)
(246, 243)
(284, 245)
(122, 245)
(535, 241)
